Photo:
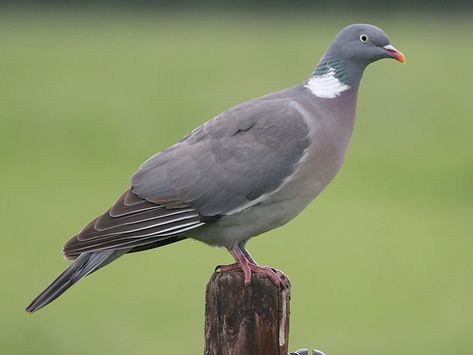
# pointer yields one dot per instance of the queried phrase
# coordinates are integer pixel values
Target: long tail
(84, 265)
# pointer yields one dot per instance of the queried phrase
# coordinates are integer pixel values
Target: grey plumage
(248, 170)
(84, 265)
(233, 159)
(123, 229)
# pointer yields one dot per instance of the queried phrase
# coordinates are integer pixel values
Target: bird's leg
(245, 262)
(242, 247)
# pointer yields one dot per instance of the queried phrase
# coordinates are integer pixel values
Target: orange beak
(394, 53)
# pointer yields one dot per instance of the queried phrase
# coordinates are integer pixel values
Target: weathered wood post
(246, 320)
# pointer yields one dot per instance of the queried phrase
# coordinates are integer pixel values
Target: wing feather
(137, 224)
(242, 154)
(123, 243)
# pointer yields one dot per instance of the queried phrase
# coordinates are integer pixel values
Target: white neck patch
(326, 86)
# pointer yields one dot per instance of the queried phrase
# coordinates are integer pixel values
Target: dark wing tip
(133, 223)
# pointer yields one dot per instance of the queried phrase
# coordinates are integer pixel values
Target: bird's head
(363, 44)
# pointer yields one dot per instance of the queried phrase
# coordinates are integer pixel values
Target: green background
(380, 264)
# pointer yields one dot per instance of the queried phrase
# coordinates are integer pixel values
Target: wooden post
(246, 320)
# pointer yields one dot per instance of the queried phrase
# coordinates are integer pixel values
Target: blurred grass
(380, 264)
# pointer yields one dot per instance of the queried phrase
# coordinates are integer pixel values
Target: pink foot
(248, 268)
(228, 268)
(245, 263)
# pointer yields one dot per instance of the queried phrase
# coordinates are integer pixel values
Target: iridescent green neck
(346, 72)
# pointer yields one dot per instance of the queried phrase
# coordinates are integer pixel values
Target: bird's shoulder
(275, 110)
(278, 111)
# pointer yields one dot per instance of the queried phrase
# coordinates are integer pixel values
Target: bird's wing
(133, 224)
(230, 162)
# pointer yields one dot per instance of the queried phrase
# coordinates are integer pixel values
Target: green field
(381, 263)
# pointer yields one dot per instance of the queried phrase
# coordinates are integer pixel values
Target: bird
(248, 170)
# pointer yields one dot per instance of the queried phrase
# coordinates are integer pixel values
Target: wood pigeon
(250, 169)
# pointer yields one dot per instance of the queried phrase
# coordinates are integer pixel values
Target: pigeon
(249, 170)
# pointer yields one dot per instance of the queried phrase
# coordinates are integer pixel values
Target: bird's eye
(363, 38)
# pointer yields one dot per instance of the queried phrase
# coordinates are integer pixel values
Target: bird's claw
(248, 269)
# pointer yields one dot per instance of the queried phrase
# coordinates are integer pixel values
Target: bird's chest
(315, 170)
(331, 131)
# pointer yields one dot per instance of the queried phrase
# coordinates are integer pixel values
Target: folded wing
(233, 160)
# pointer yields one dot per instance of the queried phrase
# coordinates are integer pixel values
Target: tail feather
(84, 265)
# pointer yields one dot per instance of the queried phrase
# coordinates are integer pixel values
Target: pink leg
(246, 263)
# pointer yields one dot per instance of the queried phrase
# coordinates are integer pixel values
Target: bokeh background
(381, 263)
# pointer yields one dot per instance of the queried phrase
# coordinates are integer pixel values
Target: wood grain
(246, 320)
